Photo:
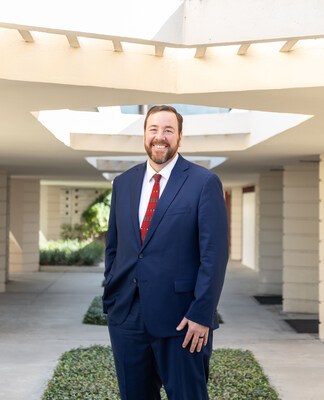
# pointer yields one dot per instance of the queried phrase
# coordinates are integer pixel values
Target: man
(166, 255)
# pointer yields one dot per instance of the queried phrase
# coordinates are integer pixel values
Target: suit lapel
(176, 180)
(136, 189)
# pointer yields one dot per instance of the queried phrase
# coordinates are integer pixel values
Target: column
(301, 238)
(50, 218)
(236, 224)
(4, 229)
(24, 225)
(270, 225)
(248, 227)
(321, 248)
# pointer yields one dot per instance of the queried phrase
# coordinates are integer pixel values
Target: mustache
(160, 143)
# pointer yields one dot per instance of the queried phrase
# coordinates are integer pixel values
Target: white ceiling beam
(159, 50)
(288, 45)
(243, 49)
(73, 40)
(201, 51)
(117, 46)
(114, 165)
(26, 35)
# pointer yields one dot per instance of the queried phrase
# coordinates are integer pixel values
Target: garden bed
(94, 314)
(71, 252)
(89, 374)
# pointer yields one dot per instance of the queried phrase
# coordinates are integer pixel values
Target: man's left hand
(198, 334)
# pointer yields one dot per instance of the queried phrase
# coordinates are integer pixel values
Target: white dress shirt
(148, 182)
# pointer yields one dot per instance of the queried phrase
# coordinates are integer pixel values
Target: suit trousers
(143, 362)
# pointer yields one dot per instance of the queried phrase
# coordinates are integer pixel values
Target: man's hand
(198, 334)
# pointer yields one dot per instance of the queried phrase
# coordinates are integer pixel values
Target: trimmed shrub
(71, 252)
(89, 373)
(94, 315)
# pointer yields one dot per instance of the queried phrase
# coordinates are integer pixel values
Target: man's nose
(160, 134)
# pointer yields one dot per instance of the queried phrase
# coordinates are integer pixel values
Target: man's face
(161, 137)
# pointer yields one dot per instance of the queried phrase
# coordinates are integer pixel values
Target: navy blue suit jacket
(180, 268)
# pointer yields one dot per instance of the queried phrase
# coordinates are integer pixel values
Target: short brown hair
(157, 109)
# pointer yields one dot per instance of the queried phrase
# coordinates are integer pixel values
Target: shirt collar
(165, 172)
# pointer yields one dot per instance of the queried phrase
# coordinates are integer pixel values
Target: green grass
(89, 374)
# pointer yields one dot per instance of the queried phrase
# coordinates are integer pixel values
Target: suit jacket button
(135, 280)
(141, 255)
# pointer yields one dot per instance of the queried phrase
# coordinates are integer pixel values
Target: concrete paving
(293, 362)
(41, 317)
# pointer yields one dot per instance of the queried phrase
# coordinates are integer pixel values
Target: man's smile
(160, 146)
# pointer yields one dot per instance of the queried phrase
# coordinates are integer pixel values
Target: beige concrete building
(63, 78)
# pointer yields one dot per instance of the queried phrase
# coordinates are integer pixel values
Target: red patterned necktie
(151, 206)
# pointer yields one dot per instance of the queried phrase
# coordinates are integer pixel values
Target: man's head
(157, 109)
(162, 135)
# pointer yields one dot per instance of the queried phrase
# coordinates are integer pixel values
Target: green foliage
(236, 375)
(89, 373)
(71, 252)
(94, 220)
(94, 315)
(95, 217)
(73, 232)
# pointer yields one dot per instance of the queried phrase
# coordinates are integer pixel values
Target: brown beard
(168, 155)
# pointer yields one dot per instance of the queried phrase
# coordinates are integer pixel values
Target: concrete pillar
(321, 248)
(50, 218)
(270, 225)
(257, 223)
(4, 229)
(24, 225)
(248, 228)
(301, 238)
(236, 223)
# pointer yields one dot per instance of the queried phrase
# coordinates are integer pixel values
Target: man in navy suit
(166, 256)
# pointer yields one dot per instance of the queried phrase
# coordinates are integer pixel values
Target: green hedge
(89, 373)
(71, 252)
(94, 315)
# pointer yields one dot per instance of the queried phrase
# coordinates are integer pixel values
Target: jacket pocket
(184, 285)
(178, 210)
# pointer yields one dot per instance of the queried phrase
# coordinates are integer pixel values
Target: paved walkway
(41, 317)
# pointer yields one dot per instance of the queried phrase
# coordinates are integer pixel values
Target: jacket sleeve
(111, 236)
(213, 247)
